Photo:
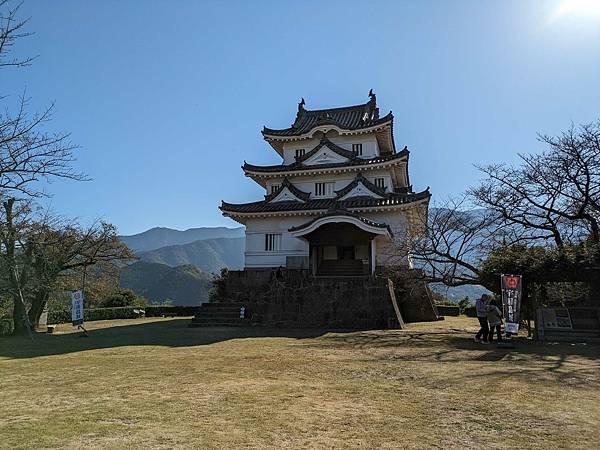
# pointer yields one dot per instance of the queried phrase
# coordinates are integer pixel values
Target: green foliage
(464, 303)
(123, 297)
(446, 310)
(539, 264)
(185, 285)
(217, 292)
(6, 326)
(56, 316)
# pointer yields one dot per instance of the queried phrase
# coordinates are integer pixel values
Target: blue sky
(167, 99)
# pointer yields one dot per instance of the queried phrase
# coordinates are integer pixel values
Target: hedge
(470, 311)
(124, 312)
(6, 326)
(444, 310)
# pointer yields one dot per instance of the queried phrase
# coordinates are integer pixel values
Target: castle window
(380, 182)
(324, 189)
(274, 187)
(300, 152)
(357, 149)
(272, 242)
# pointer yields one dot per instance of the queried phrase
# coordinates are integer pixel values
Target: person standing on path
(484, 330)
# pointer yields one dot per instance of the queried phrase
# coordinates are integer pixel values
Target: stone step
(217, 324)
(218, 313)
(222, 305)
(216, 319)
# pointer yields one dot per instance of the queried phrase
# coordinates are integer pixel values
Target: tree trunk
(37, 306)
(19, 311)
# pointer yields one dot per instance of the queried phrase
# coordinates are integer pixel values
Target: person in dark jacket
(481, 307)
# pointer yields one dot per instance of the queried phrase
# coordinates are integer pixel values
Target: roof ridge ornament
(301, 104)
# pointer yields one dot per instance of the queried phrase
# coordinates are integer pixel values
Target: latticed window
(274, 187)
(357, 149)
(272, 242)
(380, 182)
(300, 152)
(324, 189)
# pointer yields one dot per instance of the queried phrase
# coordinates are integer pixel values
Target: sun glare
(576, 9)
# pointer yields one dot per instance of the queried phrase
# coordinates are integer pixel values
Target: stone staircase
(221, 314)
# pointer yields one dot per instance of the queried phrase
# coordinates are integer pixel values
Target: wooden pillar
(373, 256)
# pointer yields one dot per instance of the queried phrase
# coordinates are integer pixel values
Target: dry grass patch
(156, 383)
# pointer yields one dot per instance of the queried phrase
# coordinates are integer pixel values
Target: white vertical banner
(77, 308)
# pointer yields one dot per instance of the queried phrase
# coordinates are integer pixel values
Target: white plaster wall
(391, 253)
(307, 184)
(289, 148)
(256, 256)
(369, 142)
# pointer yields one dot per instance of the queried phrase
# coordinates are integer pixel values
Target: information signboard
(511, 301)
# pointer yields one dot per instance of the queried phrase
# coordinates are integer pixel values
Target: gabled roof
(341, 215)
(347, 118)
(366, 183)
(354, 161)
(391, 199)
(304, 196)
(331, 146)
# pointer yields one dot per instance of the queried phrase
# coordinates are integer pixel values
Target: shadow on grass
(169, 333)
(566, 363)
(442, 346)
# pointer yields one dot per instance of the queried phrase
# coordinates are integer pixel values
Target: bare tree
(28, 153)
(454, 243)
(554, 194)
(11, 29)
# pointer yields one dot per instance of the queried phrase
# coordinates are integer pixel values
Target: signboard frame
(77, 308)
(512, 293)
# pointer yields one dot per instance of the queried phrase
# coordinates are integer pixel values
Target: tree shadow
(168, 333)
(567, 363)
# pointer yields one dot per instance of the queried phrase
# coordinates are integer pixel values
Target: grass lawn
(156, 383)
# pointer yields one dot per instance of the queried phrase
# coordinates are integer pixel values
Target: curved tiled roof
(342, 212)
(356, 161)
(390, 199)
(293, 189)
(331, 146)
(348, 118)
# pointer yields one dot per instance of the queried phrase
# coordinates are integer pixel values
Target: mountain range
(184, 285)
(159, 237)
(209, 255)
(178, 265)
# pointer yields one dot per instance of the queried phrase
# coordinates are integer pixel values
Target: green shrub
(170, 311)
(123, 297)
(444, 310)
(124, 312)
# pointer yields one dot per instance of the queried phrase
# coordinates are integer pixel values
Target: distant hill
(209, 255)
(162, 237)
(459, 292)
(185, 285)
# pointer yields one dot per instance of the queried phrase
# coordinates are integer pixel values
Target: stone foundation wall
(294, 299)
